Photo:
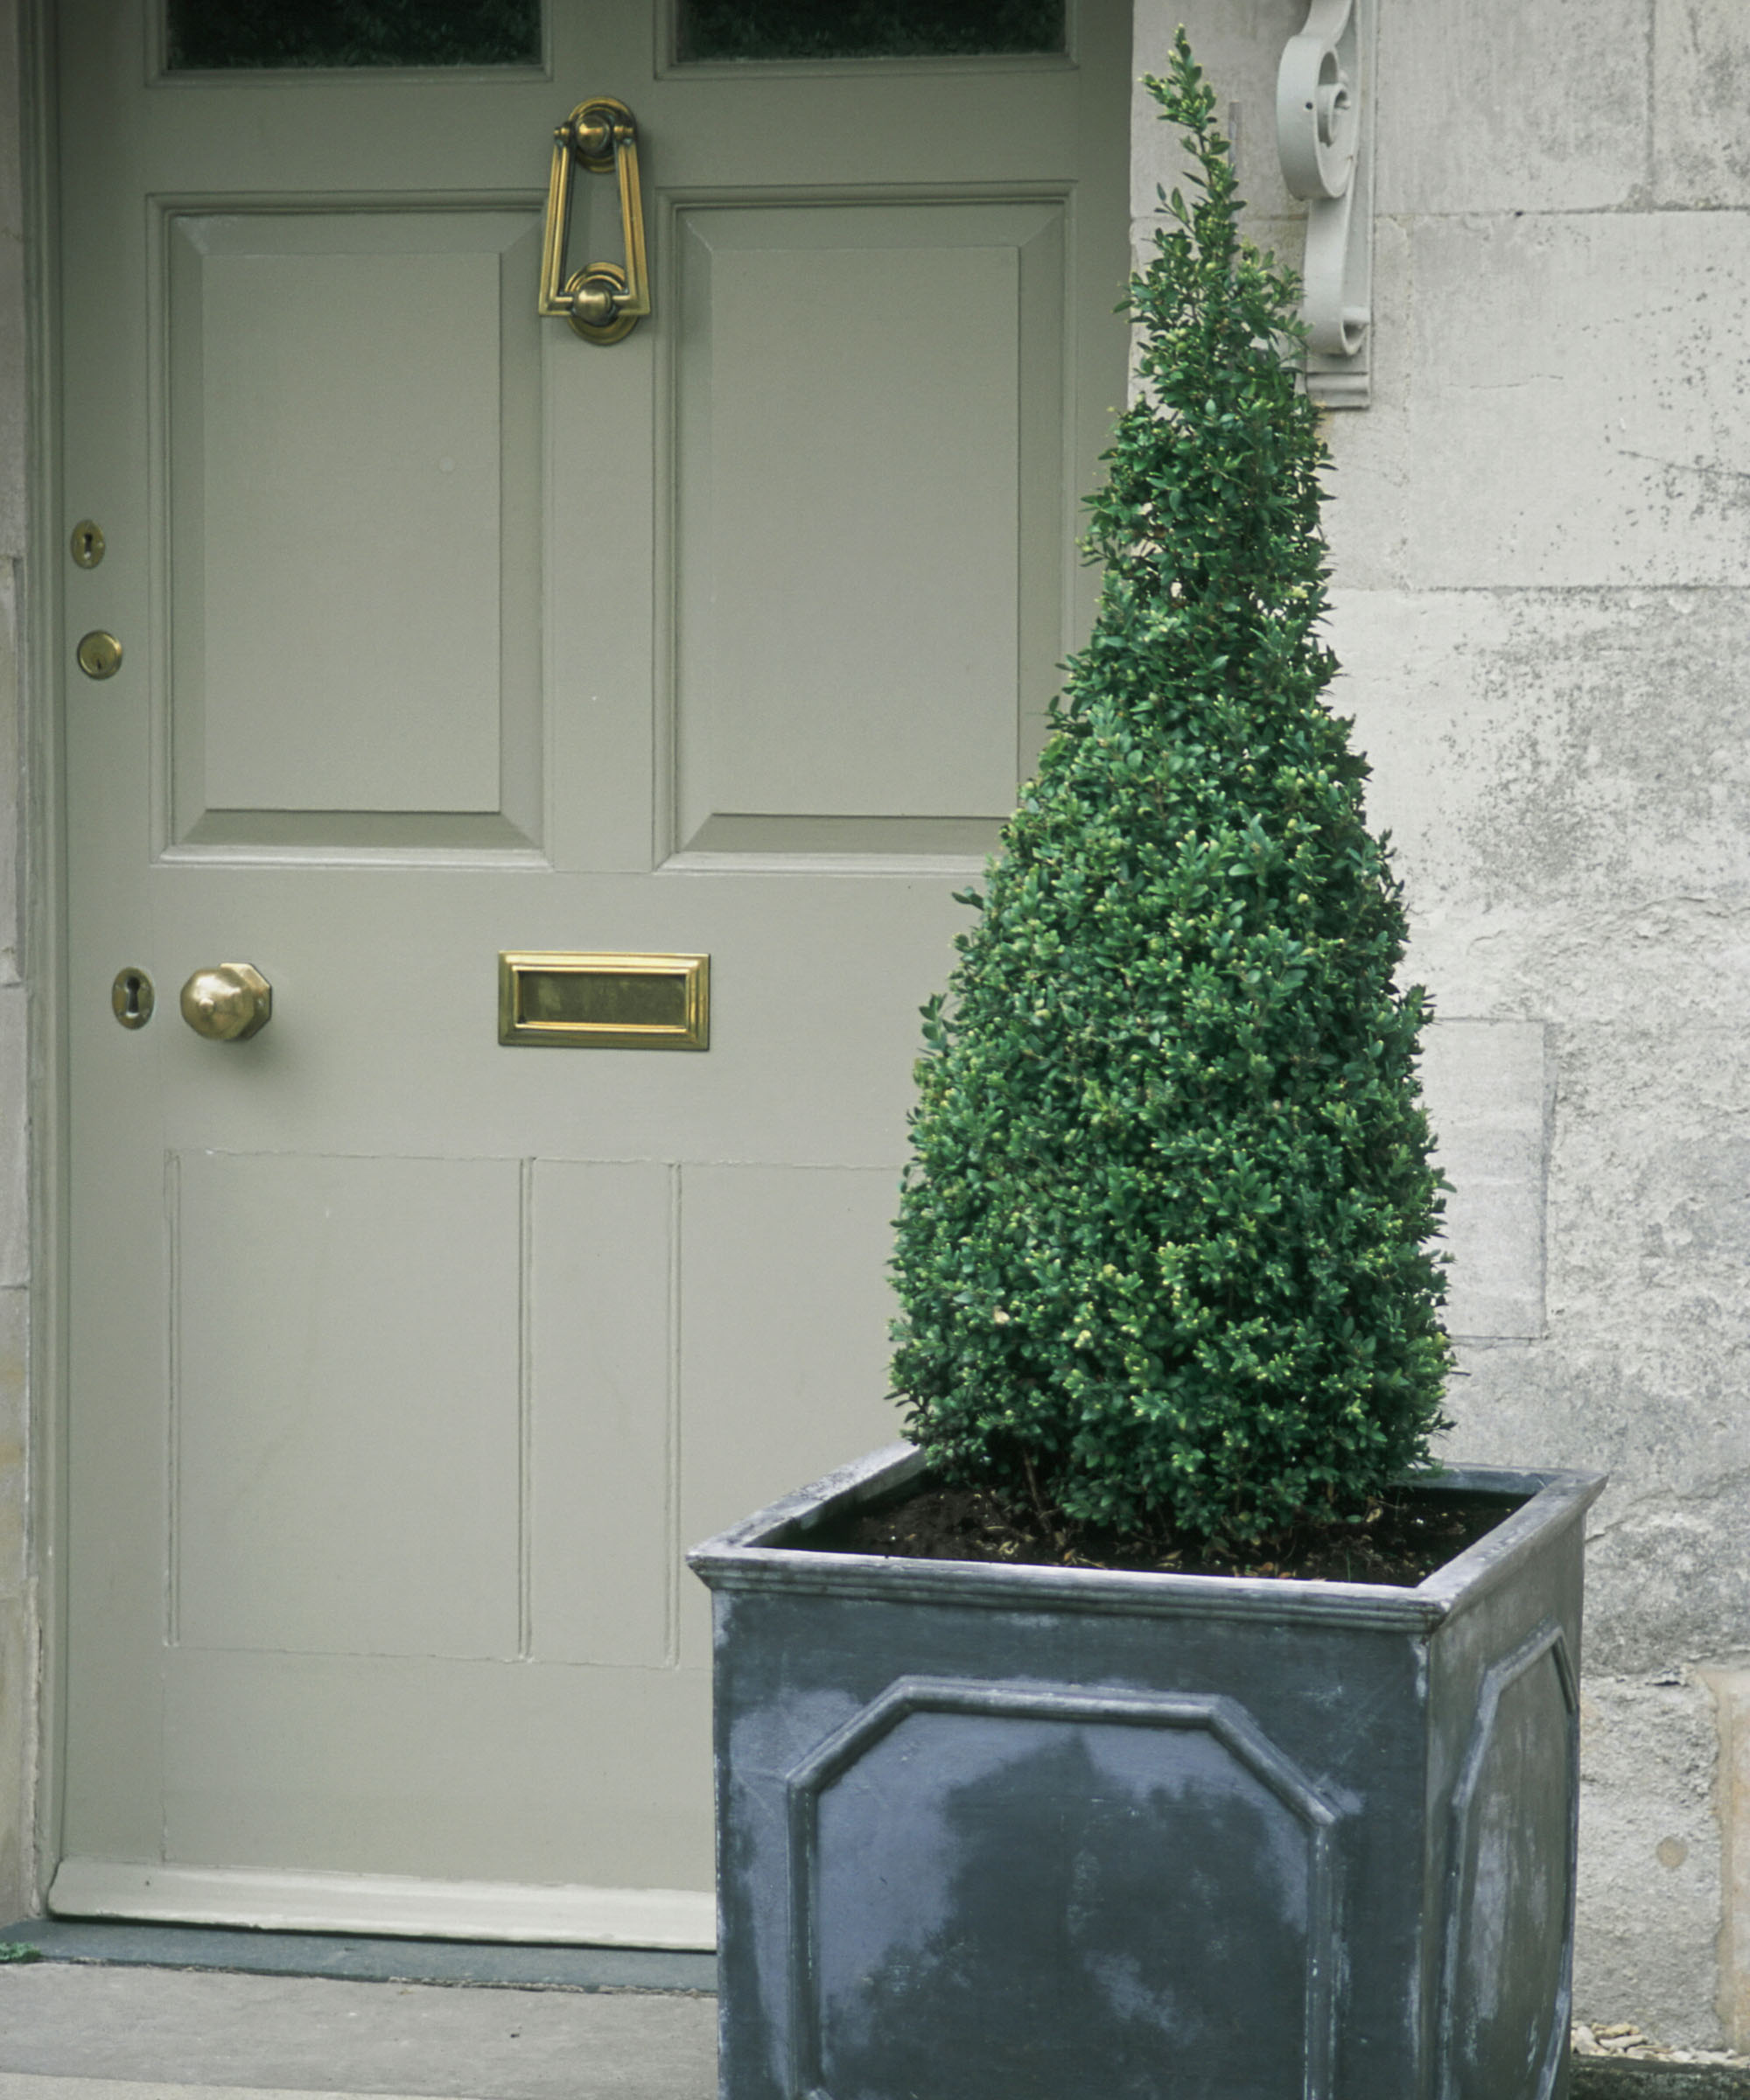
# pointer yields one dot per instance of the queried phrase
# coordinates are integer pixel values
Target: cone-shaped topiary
(1162, 1247)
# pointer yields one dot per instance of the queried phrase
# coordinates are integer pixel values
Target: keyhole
(87, 544)
(131, 997)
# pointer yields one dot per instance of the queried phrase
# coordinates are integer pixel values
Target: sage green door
(404, 1364)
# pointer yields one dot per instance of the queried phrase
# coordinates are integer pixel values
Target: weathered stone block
(1487, 1087)
(14, 1494)
(13, 394)
(1649, 1870)
(1486, 108)
(15, 1224)
(1731, 1690)
(17, 1740)
(1574, 411)
(8, 769)
(1238, 44)
(1566, 779)
(1701, 81)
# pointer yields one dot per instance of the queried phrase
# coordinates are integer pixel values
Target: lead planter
(993, 1832)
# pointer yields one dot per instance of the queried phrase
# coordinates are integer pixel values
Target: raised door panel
(349, 410)
(491, 1772)
(345, 1431)
(784, 1311)
(869, 486)
(603, 1551)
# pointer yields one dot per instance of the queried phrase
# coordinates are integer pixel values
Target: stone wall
(1538, 538)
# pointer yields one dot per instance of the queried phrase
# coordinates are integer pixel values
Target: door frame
(43, 959)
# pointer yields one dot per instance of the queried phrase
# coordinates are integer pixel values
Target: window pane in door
(867, 29)
(213, 35)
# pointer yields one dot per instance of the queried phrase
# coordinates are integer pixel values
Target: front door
(406, 1360)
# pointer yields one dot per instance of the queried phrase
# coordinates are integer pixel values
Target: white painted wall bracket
(1323, 128)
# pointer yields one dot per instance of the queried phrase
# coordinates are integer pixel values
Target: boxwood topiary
(1162, 1249)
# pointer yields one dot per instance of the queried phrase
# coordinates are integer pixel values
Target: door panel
(354, 600)
(405, 1364)
(821, 498)
(755, 1237)
(315, 1763)
(603, 1570)
(332, 1313)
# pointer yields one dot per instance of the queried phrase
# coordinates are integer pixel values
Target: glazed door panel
(403, 1363)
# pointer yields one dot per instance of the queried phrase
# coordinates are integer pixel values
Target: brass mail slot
(605, 1002)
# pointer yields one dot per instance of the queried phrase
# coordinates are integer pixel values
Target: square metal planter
(996, 1832)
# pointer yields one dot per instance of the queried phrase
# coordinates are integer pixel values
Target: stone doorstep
(1597, 2074)
(361, 1958)
(1619, 2078)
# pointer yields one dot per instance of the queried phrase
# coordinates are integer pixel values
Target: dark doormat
(361, 1959)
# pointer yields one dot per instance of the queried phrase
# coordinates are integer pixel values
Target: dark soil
(1400, 1539)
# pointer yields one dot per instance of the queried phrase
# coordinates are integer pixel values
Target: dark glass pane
(867, 29)
(204, 35)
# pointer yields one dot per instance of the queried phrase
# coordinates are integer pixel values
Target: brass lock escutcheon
(229, 1003)
(604, 302)
(99, 654)
(131, 996)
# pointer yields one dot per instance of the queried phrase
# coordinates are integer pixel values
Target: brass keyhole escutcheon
(87, 544)
(229, 1003)
(100, 654)
(131, 997)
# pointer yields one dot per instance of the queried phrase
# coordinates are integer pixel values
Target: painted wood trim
(395, 1906)
(43, 957)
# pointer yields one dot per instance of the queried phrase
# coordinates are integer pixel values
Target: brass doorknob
(228, 1002)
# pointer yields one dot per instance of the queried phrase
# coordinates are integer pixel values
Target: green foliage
(1161, 1248)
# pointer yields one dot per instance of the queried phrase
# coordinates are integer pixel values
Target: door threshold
(384, 1906)
(357, 1957)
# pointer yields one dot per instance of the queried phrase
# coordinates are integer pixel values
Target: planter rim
(747, 1558)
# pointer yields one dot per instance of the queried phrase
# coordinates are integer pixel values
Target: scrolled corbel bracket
(1324, 129)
